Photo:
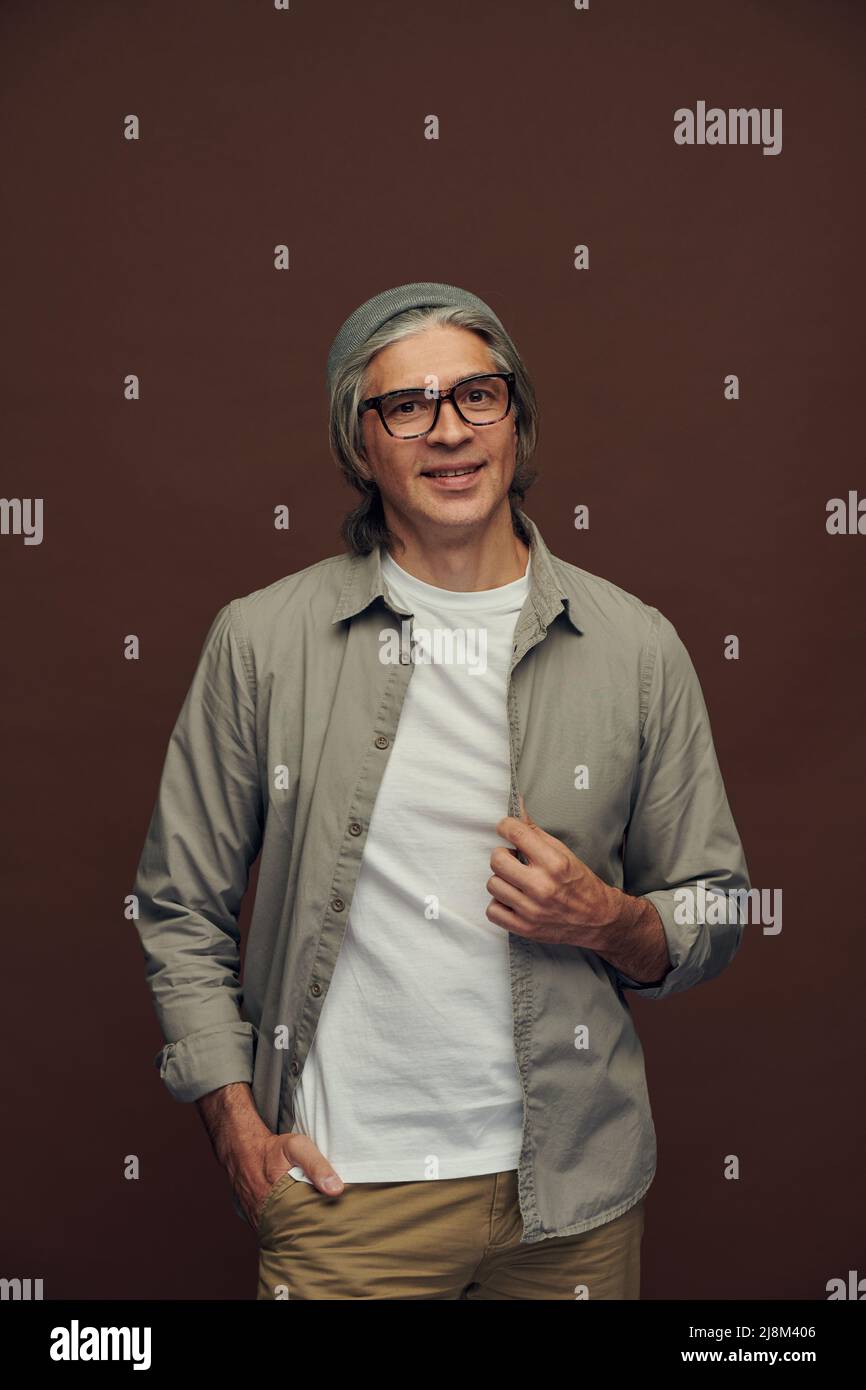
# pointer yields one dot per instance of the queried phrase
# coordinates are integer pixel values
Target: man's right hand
(261, 1167)
(255, 1158)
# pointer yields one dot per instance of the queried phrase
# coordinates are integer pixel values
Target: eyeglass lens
(482, 401)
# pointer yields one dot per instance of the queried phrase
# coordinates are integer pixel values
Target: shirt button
(316, 989)
(354, 828)
(337, 904)
(381, 741)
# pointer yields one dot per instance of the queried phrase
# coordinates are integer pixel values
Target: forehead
(446, 352)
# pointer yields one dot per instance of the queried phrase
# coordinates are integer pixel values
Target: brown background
(155, 257)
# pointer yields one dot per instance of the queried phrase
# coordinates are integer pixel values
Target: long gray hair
(364, 527)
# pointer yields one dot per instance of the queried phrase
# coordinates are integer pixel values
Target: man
(485, 792)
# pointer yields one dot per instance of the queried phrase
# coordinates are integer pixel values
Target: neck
(485, 556)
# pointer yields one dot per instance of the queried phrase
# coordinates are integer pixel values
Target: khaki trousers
(448, 1238)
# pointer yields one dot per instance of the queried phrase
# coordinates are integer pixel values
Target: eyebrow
(464, 376)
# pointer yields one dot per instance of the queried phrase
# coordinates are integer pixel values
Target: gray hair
(364, 527)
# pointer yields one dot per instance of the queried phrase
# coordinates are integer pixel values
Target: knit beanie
(369, 318)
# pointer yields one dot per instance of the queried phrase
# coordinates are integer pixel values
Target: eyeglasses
(478, 400)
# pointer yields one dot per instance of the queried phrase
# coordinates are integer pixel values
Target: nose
(449, 428)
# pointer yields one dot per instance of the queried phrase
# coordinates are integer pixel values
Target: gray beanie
(366, 320)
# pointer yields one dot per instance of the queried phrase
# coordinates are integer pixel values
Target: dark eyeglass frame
(375, 403)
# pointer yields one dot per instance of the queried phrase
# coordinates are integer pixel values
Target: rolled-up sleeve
(681, 833)
(204, 834)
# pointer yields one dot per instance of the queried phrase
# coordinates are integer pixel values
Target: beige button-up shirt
(280, 747)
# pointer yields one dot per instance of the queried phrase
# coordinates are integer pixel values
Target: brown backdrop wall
(156, 257)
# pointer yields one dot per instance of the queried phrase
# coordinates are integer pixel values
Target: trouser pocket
(277, 1188)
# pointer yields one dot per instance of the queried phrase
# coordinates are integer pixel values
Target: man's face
(400, 467)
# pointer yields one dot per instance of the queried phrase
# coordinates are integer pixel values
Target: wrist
(233, 1123)
(623, 915)
(635, 942)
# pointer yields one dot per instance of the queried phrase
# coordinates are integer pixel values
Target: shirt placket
(342, 887)
(528, 634)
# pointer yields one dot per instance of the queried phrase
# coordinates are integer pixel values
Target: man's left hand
(554, 897)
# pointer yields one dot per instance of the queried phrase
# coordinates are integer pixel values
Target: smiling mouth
(452, 472)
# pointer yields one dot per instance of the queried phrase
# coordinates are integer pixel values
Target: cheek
(501, 454)
(394, 475)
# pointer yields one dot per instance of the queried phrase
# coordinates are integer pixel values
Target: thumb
(303, 1151)
(524, 814)
(527, 820)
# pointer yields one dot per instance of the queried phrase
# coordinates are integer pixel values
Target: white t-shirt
(412, 1071)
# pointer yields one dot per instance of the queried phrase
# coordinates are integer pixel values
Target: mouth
(454, 477)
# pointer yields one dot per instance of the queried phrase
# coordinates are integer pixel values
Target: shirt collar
(364, 582)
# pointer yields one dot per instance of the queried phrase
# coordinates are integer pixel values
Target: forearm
(635, 943)
(232, 1121)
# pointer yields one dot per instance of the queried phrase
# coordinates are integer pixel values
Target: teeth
(452, 472)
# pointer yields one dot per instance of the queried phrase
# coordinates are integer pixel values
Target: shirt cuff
(202, 1062)
(687, 949)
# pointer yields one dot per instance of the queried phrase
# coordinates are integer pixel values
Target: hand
(554, 897)
(262, 1165)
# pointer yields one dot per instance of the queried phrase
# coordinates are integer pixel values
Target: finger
(303, 1152)
(537, 844)
(527, 818)
(533, 842)
(509, 919)
(504, 863)
(508, 895)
